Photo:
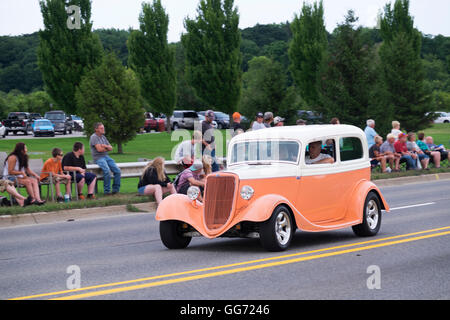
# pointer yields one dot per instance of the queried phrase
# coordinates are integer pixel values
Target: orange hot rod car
(314, 178)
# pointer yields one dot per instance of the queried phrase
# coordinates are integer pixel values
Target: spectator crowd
(196, 156)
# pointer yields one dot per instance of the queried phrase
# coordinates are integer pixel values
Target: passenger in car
(315, 156)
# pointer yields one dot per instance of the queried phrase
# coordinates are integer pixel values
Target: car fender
(359, 195)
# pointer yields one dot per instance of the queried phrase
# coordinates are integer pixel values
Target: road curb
(71, 215)
(87, 213)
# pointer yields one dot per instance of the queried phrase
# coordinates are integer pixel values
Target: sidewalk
(149, 207)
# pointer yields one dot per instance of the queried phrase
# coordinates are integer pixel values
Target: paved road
(123, 258)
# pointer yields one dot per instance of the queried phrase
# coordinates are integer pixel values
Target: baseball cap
(236, 115)
(268, 115)
(278, 120)
(209, 113)
(401, 135)
(197, 165)
(260, 115)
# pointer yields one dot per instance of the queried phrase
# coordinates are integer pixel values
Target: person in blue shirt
(370, 132)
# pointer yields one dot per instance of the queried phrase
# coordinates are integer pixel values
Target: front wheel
(371, 217)
(171, 235)
(277, 232)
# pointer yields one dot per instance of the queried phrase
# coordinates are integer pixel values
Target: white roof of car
(304, 134)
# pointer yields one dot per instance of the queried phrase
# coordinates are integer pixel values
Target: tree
(347, 81)
(402, 69)
(308, 49)
(153, 60)
(65, 54)
(213, 56)
(110, 94)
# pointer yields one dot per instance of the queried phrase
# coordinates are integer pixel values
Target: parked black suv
(61, 121)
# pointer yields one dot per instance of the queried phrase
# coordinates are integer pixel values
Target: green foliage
(308, 49)
(110, 94)
(64, 54)
(347, 80)
(153, 59)
(213, 56)
(402, 69)
(36, 102)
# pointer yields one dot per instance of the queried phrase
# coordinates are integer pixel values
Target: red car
(152, 123)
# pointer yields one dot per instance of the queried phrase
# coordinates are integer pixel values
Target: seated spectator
(154, 181)
(395, 129)
(445, 154)
(258, 124)
(191, 177)
(435, 156)
(54, 166)
(408, 157)
(301, 122)
(76, 165)
(412, 147)
(335, 121)
(8, 186)
(388, 149)
(315, 156)
(17, 170)
(185, 152)
(278, 122)
(378, 157)
(207, 165)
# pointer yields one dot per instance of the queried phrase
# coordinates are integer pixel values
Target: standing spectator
(100, 147)
(154, 181)
(237, 122)
(395, 129)
(185, 152)
(76, 165)
(370, 132)
(413, 148)
(408, 157)
(435, 156)
(258, 124)
(335, 121)
(16, 167)
(54, 166)
(445, 154)
(301, 122)
(208, 143)
(278, 122)
(268, 119)
(388, 149)
(377, 156)
(8, 186)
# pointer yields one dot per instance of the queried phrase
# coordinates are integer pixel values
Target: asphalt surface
(122, 257)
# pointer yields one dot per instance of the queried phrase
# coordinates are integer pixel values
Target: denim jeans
(107, 164)
(410, 162)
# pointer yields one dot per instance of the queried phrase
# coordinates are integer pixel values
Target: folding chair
(36, 165)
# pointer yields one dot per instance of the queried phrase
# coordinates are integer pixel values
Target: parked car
(35, 116)
(268, 190)
(312, 117)
(43, 127)
(202, 118)
(153, 123)
(60, 120)
(183, 119)
(78, 123)
(443, 117)
(17, 122)
(2, 130)
(222, 119)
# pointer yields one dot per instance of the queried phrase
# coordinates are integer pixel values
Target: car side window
(351, 149)
(321, 152)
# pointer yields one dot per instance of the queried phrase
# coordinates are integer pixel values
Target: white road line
(414, 206)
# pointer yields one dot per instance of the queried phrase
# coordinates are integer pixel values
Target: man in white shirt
(258, 124)
(315, 157)
(185, 153)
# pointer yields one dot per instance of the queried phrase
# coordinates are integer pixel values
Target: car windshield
(55, 116)
(265, 151)
(76, 118)
(39, 124)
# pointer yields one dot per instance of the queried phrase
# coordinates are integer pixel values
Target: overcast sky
(24, 16)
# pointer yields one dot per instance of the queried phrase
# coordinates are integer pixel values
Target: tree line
(354, 73)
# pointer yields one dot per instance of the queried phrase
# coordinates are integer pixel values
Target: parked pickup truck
(153, 123)
(17, 121)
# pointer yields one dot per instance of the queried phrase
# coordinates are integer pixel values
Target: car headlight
(193, 192)
(247, 192)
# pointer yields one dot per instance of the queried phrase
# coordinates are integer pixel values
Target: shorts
(374, 163)
(88, 177)
(141, 190)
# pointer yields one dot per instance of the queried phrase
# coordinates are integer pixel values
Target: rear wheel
(277, 232)
(371, 217)
(171, 235)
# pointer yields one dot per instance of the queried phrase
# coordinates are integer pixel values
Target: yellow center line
(249, 268)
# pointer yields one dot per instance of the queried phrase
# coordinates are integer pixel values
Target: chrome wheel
(372, 214)
(283, 228)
